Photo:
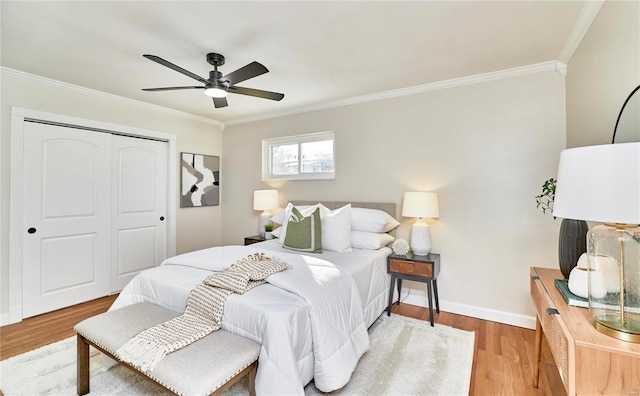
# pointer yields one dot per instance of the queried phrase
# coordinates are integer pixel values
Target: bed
(311, 321)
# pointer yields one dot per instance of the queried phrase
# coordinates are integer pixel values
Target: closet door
(139, 202)
(67, 216)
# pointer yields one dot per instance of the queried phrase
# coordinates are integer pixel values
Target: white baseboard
(13, 316)
(528, 322)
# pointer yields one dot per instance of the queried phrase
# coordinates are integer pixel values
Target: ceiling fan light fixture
(215, 92)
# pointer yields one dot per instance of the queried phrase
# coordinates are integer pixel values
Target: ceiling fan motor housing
(215, 59)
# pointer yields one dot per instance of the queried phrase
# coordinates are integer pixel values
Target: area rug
(406, 357)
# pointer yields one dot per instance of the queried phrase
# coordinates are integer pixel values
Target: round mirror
(627, 127)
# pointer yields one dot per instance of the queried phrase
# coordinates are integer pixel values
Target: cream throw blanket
(203, 313)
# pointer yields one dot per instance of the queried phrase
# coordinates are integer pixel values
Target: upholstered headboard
(390, 208)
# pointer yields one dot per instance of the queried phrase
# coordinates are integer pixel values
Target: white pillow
(336, 228)
(370, 240)
(278, 218)
(336, 225)
(276, 232)
(372, 220)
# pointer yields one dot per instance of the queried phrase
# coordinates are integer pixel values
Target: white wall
(196, 228)
(485, 148)
(602, 72)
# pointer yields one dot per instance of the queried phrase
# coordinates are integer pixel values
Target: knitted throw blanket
(203, 313)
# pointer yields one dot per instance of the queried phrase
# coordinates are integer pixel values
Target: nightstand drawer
(411, 268)
(558, 344)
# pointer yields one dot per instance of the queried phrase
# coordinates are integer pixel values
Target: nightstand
(415, 268)
(253, 239)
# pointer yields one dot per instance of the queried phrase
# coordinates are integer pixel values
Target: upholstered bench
(207, 366)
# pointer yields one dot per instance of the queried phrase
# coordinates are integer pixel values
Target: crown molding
(585, 18)
(434, 86)
(88, 91)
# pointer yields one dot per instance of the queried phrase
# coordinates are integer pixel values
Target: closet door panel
(66, 245)
(139, 206)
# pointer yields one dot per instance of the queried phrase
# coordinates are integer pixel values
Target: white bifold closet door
(139, 205)
(93, 204)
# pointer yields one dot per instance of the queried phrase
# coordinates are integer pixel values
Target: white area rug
(406, 357)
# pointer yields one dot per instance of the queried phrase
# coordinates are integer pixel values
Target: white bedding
(287, 315)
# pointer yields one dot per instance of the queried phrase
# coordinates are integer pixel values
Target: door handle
(161, 218)
(31, 230)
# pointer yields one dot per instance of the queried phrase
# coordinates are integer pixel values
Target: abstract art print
(200, 180)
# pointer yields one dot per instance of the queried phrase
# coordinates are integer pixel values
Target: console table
(589, 362)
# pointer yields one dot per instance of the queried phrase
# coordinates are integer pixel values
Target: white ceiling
(317, 52)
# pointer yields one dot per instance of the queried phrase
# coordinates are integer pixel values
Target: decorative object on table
(265, 200)
(421, 205)
(200, 180)
(268, 229)
(578, 282)
(569, 297)
(572, 243)
(400, 247)
(572, 240)
(602, 184)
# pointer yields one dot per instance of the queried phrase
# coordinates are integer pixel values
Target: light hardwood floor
(502, 362)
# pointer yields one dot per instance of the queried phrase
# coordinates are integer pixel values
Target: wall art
(200, 180)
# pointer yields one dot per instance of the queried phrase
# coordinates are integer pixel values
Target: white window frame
(298, 139)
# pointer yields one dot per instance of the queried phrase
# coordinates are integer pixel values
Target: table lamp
(421, 205)
(602, 184)
(265, 200)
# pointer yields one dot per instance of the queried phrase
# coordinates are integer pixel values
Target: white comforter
(309, 320)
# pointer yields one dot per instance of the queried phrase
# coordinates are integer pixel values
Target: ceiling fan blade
(169, 88)
(220, 102)
(256, 92)
(251, 70)
(170, 65)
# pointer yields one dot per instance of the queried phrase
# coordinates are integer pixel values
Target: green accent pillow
(304, 233)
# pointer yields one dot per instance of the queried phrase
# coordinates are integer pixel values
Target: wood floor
(502, 362)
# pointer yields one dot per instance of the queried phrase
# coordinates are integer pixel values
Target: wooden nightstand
(415, 268)
(253, 239)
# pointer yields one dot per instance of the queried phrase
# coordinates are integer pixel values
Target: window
(302, 157)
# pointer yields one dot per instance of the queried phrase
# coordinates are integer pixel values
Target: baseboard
(528, 322)
(13, 316)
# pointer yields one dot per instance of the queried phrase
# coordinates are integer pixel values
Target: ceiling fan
(217, 86)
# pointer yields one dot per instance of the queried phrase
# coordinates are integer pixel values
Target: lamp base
(420, 238)
(265, 218)
(623, 335)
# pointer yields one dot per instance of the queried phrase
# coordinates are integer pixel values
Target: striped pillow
(304, 233)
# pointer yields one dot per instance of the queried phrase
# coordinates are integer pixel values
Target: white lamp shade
(599, 183)
(420, 204)
(265, 200)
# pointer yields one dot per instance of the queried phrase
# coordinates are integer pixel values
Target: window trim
(297, 139)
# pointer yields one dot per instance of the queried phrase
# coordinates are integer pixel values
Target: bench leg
(82, 366)
(252, 379)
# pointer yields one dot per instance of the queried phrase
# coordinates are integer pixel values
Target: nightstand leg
(435, 293)
(399, 289)
(430, 303)
(393, 281)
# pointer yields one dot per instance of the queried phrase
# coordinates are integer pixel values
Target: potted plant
(572, 242)
(268, 228)
(544, 201)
